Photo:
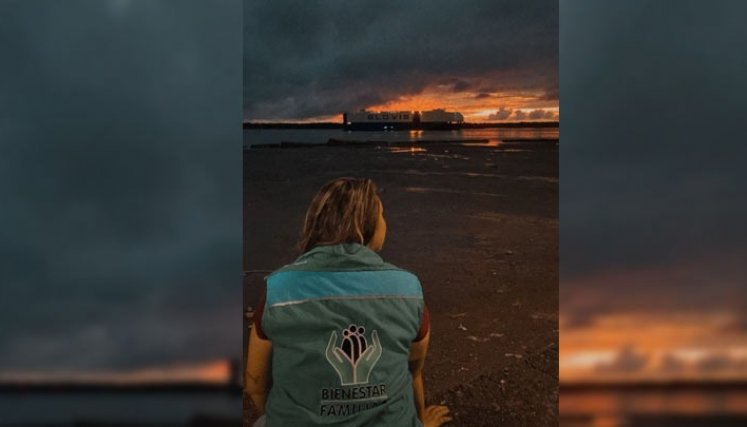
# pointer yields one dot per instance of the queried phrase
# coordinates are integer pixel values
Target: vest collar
(343, 256)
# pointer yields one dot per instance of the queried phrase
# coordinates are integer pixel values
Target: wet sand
(478, 225)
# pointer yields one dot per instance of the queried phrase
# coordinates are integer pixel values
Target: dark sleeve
(425, 325)
(257, 318)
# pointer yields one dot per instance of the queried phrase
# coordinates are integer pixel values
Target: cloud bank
(121, 175)
(310, 59)
(652, 160)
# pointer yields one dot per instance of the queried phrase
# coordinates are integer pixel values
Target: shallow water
(67, 408)
(637, 408)
(321, 136)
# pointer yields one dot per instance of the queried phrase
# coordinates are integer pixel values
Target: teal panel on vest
(288, 287)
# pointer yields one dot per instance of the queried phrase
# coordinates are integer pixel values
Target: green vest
(341, 322)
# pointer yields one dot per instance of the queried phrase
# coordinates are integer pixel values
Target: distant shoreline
(336, 125)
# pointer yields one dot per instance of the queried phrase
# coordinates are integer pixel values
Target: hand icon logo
(355, 359)
(340, 361)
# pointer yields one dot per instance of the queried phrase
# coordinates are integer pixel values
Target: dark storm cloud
(540, 114)
(718, 362)
(552, 94)
(626, 361)
(692, 286)
(305, 59)
(120, 181)
(671, 364)
(653, 157)
(502, 114)
(461, 85)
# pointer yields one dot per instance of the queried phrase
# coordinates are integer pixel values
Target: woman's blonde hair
(345, 210)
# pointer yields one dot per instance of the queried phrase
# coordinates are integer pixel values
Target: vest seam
(337, 270)
(361, 297)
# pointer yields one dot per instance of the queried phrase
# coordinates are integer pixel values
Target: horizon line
(301, 122)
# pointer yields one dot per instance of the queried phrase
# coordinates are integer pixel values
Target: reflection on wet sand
(411, 150)
(446, 190)
(551, 180)
(491, 137)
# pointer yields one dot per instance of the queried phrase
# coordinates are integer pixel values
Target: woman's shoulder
(302, 266)
(351, 258)
(391, 267)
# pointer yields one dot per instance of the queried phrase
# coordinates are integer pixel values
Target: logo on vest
(353, 361)
(356, 357)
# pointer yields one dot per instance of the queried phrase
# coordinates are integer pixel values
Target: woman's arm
(258, 370)
(418, 351)
(434, 415)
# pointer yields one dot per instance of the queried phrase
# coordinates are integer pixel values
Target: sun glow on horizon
(475, 106)
(676, 345)
(215, 371)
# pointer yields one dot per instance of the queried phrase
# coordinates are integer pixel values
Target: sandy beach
(479, 226)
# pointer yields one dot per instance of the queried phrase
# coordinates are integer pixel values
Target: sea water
(321, 136)
(643, 408)
(65, 409)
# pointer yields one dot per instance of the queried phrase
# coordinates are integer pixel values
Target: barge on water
(439, 119)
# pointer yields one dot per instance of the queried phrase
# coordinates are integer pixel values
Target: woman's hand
(435, 416)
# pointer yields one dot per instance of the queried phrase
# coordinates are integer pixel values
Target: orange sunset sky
(621, 337)
(476, 106)
(479, 106)
(214, 371)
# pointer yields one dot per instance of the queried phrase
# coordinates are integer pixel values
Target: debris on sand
(462, 327)
(496, 335)
(543, 316)
(458, 315)
(476, 339)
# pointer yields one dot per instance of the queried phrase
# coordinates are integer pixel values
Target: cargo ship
(439, 119)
